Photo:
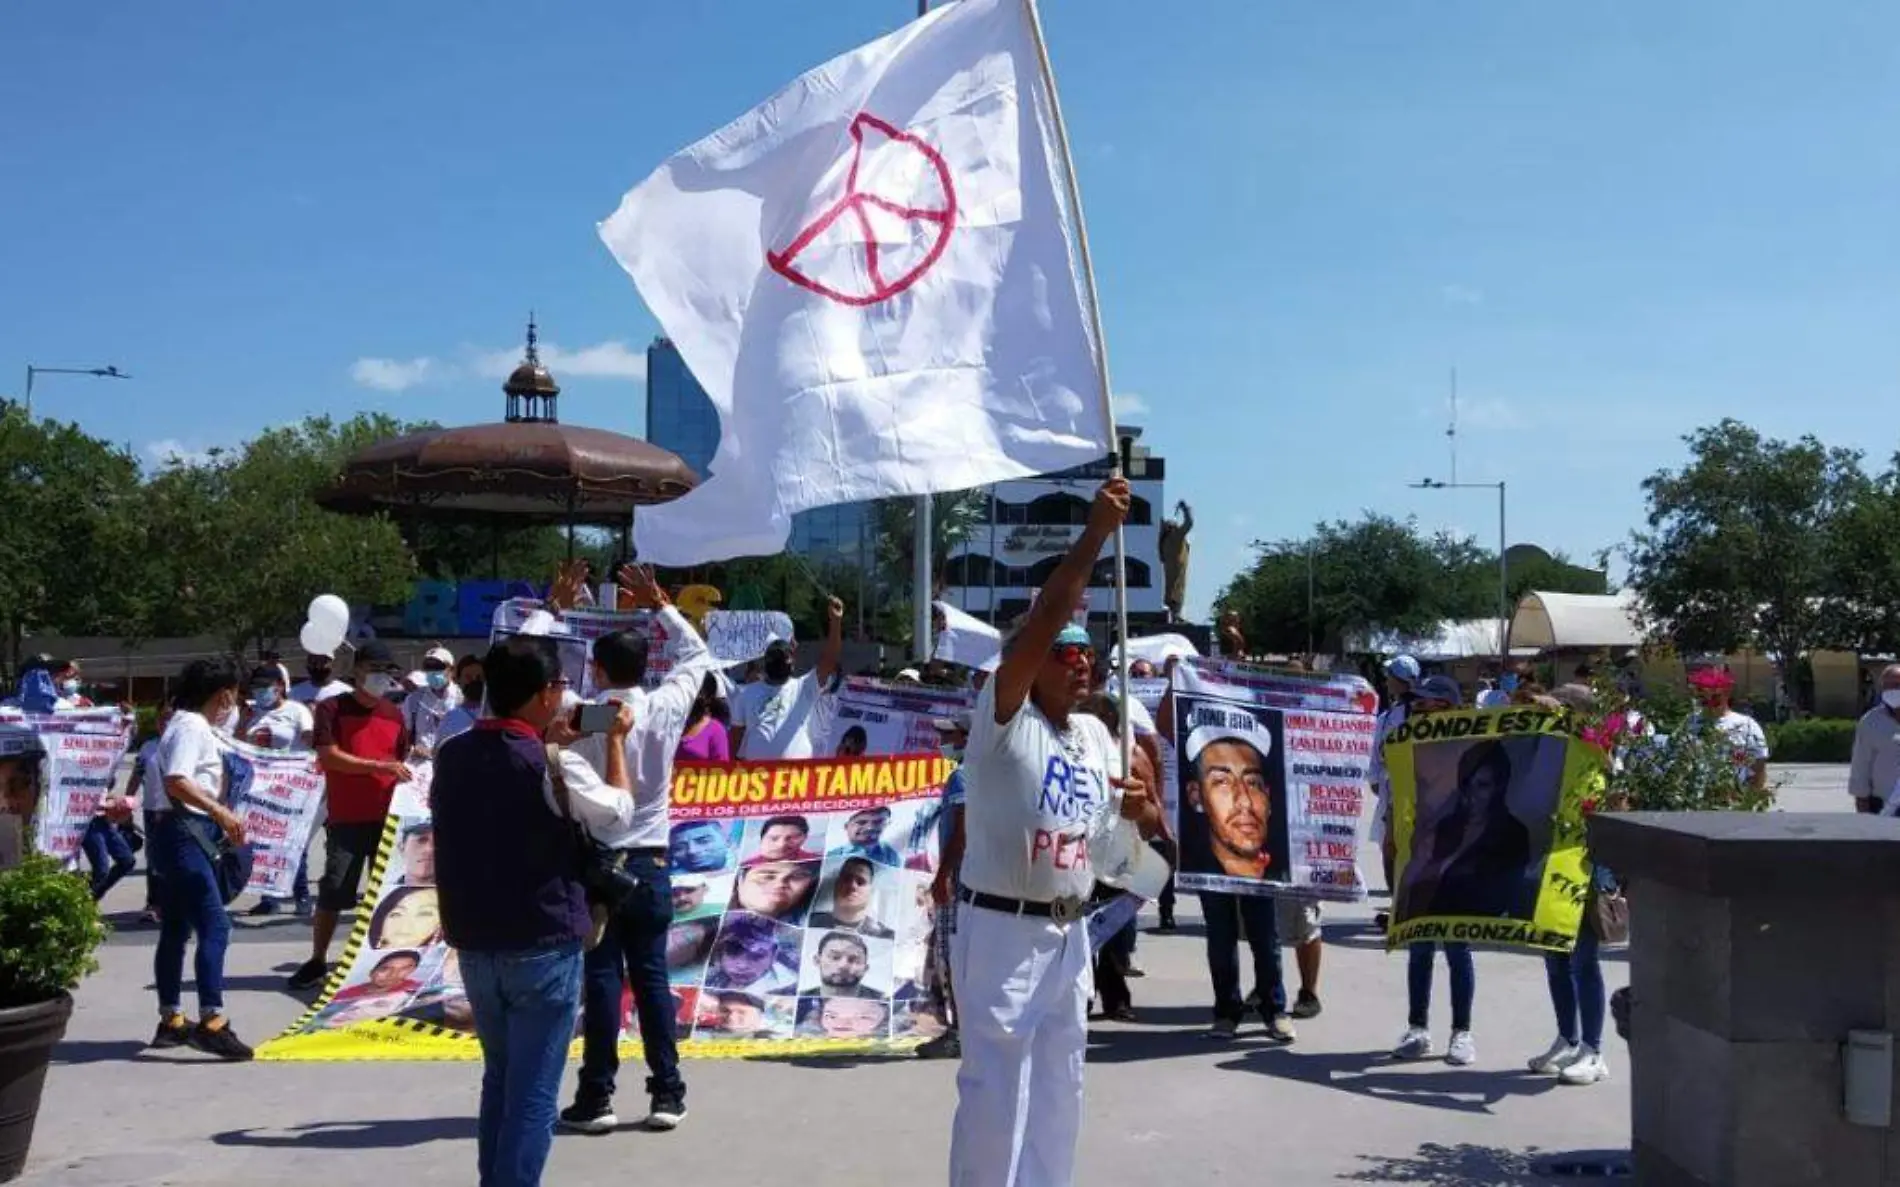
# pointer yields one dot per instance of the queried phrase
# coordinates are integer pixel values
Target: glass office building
(681, 418)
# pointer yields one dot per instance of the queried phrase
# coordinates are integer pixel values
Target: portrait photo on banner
(1233, 817)
(1481, 826)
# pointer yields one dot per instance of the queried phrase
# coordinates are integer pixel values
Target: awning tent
(1561, 621)
(1452, 640)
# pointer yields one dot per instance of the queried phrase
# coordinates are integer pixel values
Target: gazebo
(530, 469)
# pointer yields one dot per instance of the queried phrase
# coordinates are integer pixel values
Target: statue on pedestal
(1174, 560)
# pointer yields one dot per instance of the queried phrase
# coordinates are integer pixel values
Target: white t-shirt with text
(1033, 797)
(780, 720)
(287, 727)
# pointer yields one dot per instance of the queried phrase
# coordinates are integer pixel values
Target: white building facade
(1033, 522)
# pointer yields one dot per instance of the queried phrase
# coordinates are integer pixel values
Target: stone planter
(28, 1035)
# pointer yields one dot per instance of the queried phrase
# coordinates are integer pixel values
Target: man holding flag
(880, 278)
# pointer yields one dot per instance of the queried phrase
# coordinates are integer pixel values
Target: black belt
(1063, 910)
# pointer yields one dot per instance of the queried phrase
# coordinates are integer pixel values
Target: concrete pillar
(1758, 942)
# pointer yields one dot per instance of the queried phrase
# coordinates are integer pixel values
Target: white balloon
(331, 613)
(316, 640)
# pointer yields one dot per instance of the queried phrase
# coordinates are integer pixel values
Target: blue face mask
(437, 681)
(1508, 682)
(69, 688)
(265, 699)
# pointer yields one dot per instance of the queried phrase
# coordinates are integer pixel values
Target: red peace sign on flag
(896, 214)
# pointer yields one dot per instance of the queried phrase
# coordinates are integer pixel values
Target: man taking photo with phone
(634, 946)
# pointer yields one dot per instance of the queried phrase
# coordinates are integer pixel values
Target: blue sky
(1618, 220)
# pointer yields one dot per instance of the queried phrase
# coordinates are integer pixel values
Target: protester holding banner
(1039, 785)
(1436, 694)
(191, 762)
(782, 716)
(361, 742)
(280, 722)
(633, 949)
(508, 878)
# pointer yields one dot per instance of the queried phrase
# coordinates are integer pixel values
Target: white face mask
(229, 722)
(1891, 698)
(380, 684)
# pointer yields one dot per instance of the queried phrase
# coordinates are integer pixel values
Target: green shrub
(1812, 739)
(49, 931)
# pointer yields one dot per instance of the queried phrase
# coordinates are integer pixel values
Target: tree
(1864, 560)
(245, 547)
(1746, 541)
(1380, 573)
(71, 521)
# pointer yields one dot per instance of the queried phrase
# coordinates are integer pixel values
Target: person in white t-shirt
(783, 716)
(276, 722)
(190, 760)
(425, 709)
(1713, 688)
(1040, 781)
(321, 684)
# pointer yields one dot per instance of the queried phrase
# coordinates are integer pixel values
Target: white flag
(871, 275)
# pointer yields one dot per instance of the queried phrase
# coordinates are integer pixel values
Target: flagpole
(921, 537)
(1101, 357)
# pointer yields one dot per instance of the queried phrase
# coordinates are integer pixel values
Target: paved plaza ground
(1165, 1104)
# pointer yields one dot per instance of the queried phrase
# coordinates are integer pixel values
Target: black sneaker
(1306, 1005)
(945, 1046)
(590, 1114)
(266, 906)
(1166, 924)
(669, 1109)
(309, 975)
(221, 1042)
(172, 1032)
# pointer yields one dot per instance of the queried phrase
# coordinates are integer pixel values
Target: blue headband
(1073, 635)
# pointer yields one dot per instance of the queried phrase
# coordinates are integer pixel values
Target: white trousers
(1022, 990)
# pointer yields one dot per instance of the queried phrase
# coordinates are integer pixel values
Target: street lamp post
(1504, 590)
(95, 372)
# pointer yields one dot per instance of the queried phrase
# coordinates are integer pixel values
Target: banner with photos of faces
(802, 922)
(1271, 780)
(83, 750)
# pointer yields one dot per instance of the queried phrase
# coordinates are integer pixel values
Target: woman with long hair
(190, 762)
(706, 737)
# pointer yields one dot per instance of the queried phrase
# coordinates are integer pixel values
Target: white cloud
(166, 452)
(612, 359)
(1459, 294)
(392, 375)
(1129, 404)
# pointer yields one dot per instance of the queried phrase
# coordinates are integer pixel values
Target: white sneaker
(1561, 1055)
(1417, 1044)
(1463, 1051)
(1587, 1068)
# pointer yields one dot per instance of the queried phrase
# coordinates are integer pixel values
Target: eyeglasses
(1073, 654)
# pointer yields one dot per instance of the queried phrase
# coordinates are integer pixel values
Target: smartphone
(595, 719)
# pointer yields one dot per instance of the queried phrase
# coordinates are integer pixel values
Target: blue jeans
(634, 946)
(1225, 913)
(1418, 983)
(1576, 990)
(108, 853)
(524, 1005)
(190, 906)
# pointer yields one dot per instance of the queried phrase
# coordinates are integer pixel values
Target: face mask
(1508, 682)
(229, 722)
(380, 684)
(319, 676)
(1891, 698)
(474, 691)
(69, 688)
(265, 699)
(953, 753)
(437, 681)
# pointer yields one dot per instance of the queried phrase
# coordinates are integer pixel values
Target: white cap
(685, 881)
(910, 676)
(441, 655)
(1218, 723)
